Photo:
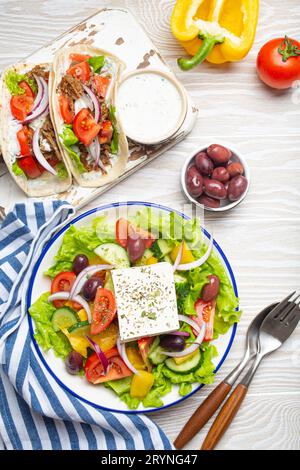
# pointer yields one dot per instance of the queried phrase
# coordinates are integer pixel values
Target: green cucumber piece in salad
(80, 329)
(189, 365)
(114, 254)
(63, 317)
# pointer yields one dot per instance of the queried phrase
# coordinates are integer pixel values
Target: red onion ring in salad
(38, 154)
(200, 261)
(42, 107)
(180, 333)
(82, 277)
(194, 346)
(100, 354)
(95, 101)
(77, 298)
(122, 351)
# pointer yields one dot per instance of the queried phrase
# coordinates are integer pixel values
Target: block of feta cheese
(146, 301)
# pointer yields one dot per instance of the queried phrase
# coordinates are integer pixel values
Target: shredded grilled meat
(40, 72)
(47, 132)
(71, 86)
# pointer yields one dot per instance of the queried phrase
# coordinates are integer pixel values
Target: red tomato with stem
(278, 63)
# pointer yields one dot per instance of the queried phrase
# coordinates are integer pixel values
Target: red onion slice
(40, 92)
(200, 261)
(180, 333)
(122, 351)
(189, 321)
(100, 354)
(95, 101)
(81, 278)
(43, 105)
(38, 154)
(178, 257)
(191, 348)
(77, 298)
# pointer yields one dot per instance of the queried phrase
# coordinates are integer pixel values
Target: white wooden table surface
(261, 237)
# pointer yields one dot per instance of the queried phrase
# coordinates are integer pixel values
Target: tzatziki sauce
(150, 107)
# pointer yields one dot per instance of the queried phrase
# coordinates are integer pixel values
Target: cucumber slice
(188, 366)
(156, 355)
(112, 253)
(109, 285)
(180, 279)
(82, 328)
(167, 259)
(161, 248)
(63, 318)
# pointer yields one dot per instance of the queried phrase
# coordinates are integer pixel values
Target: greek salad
(135, 303)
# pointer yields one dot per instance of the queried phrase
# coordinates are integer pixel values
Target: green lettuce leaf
(75, 241)
(41, 312)
(185, 389)
(132, 403)
(96, 62)
(69, 141)
(114, 146)
(120, 386)
(17, 170)
(61, 170)
(12, 80)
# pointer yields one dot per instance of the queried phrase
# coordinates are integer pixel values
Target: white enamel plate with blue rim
(99, 396)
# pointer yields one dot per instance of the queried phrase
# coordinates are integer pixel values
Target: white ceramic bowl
(225, 204)
(144, 115)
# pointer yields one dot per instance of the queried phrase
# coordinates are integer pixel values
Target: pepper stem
(288, 49)
(207, 45)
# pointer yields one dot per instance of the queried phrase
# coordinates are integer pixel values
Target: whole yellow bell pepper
(216, 30)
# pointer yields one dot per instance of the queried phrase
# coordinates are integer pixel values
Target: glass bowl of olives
(215, 177)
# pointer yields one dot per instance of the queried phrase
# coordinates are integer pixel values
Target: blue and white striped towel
(35, 412)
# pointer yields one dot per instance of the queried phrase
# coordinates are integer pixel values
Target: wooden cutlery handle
(225, 417)
(203, 413)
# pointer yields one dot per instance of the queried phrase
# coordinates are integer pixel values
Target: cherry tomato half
(24, 136)
(81, 71)
(27, 88)
(117, 368)
(63, 282)
(106, 132)
(20, 106)
(66, 111)
(85, 127)
(104, 310)
(30, 167)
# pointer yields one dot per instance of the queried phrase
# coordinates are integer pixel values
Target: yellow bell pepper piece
(187, 255)
(181, 360)
(107, 339)
(216, 30)
(78, 343)
(82, 315)
(152, 260)
(141, 384)
(135, 358)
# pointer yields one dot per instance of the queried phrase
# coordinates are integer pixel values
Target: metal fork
(274, 331)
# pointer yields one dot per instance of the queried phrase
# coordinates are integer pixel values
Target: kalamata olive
(209, 201)
(215, 189)
(135, 247)
(235, 169)
(80, 263)
(204, 164)
(90, 287)
(219, 154)
(172, 343)
(221, 174)
(74, 362)
(211, 289)
(236, 188)
(194, 182)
